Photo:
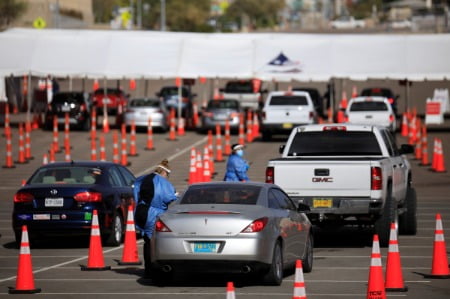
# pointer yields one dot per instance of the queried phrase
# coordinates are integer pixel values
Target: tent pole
(29, 96)
(146, 88)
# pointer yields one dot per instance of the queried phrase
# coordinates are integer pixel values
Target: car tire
(307, 260)
(408, 220)
(275, 274)
(266, 136)
(161, 278)
(383, 224)
(115, 237)
(86, 126)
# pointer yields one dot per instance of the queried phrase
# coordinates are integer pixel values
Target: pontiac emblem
(53, 192)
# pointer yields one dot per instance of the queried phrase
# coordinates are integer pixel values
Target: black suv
(76, 103)
(382, 92)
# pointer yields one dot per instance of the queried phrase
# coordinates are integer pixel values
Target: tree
(9, 11)
(261, 13)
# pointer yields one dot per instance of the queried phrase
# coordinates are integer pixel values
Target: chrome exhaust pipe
(246, 269)
(167, 268)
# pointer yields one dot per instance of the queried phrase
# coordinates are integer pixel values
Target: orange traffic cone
(25, 279)
(9, 159)
(28, 155)
(343, 104)
(375, 288)
(181, 131)
(172, 125)
(440, 267)
(206, 168)
(211, 152)
(130, 254)
(123, 149)
(249, 127)
(93, 124)
(404, 129)
(55, 135)
(340, 116)
(133, 150)
(45, 159)
(230, 291)
(102, 148)
(354, 92)
(219, 155)
(105, 121)
(394, 276)
(299, 282)
(93, 150)
(227, 138)
(67, 156)
(255, 129)
(21, 159)
(116, 147)
(440, 164)
(150, 146)
(434, 157)
(195, 119)
(425, 161)
(7, 127)
(95, 258)
(199, 167)
(418, 145)
(193, 168)
(241, 137)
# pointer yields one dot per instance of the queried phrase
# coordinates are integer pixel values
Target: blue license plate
(203, 247)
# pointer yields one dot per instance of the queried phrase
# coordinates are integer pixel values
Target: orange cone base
(149, 149)
(439, 171)
(405, 289)
(17, 291)
(133, 155)
(220, 161)
(129, 263)
(447, 276)
(173, 139)
(24, 162)
(7, 166)
(427, 164)
(86, 268)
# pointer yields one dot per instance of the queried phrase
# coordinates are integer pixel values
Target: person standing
(155, 191)
(237, 167)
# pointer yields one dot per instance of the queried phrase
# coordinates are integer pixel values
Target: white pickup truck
(347, 23)
(348, 174)
(244, 92)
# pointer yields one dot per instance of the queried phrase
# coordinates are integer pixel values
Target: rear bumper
(280, 128)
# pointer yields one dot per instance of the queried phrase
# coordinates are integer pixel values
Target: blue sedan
(59, 199)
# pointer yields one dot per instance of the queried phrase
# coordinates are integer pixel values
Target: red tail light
(87, 196)
(185, 100)
(83, 107)
(256, 226)
(161, 227)
(391, 118)
(270, 173)
(23, 197)
(234, 114)
(376, 178)
(311, 114)
(49, 107)
(391, 101)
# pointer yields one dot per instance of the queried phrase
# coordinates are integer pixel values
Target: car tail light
(185, 100)
(256, 226)
(23, 197)
(129, 111)
(234, 114)
(376, 182)
(87, 196)
(49, 107)
(391, 118)
(270, 172)
(334, 128)
(311, 114)
(83, 107)
(161, 227)
(391, 101)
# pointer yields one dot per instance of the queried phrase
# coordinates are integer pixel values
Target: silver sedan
(232, 227)
(140, 110)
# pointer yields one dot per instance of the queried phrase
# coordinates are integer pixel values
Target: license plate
(203, 247)
(41, 217)
(54, 202)
(287, 126)
(106, 101)
(322, 203)
(65, 108)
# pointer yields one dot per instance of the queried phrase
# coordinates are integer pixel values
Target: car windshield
(216, 194)
(66, 175)
(223, 104)
(239, 87)
(101, 91)
(331, 143)
(145, 103)
(368, 106)
(288, 101)
(72, 97)
(381, 92)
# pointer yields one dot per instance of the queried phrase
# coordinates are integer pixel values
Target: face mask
(240, 153)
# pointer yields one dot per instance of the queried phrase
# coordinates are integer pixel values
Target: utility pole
(163, 15)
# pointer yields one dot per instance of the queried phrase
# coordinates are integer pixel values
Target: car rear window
(331, 143)
(239, 87)
(66, 175)
(368, 106)
(145, 103)
(381, 92)
(61, 98)
(223, 104)
(288, 101)
(101, 91)
(215, 194)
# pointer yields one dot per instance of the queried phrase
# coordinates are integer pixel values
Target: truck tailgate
(289, 114)
(324, 178)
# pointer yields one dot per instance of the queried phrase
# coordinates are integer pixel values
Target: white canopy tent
(278, 57)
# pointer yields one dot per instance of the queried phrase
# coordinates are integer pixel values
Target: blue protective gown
(164, 195)
(236, 169)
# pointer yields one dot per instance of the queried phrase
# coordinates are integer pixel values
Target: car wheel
(86, 126)
(383, 224)
(116, 235)
(266, 136)
(162, 278)
(275, 274)
(408, 220)
(307, 260)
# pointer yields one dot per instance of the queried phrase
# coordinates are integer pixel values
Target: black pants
(147, 255)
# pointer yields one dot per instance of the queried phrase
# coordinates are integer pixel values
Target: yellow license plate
(287, 126)
(322, 203)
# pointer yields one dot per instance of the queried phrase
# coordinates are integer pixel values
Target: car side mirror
(281, 148)
(303, 208)
(406, 149)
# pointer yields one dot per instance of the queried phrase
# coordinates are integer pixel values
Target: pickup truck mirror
(406, 149)
(303, 208)
(281, 148)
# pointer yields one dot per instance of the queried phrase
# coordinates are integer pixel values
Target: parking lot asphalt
(341, 258)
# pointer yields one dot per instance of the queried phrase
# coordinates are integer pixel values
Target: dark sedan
(59, 199)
